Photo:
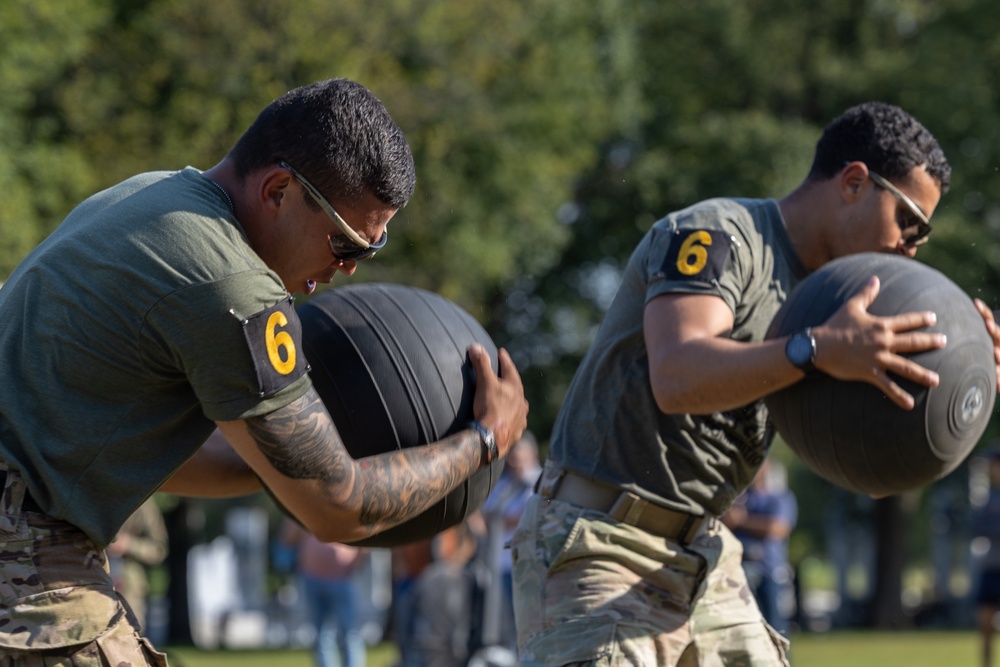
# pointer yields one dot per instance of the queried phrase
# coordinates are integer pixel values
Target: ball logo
(972, 403)
(276, 341)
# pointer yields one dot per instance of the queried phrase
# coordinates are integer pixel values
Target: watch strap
(488, 442)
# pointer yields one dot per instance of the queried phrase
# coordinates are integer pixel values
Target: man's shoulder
(725, 208)
(747, 220)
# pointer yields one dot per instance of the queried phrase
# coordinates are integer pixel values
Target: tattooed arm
(298, 454)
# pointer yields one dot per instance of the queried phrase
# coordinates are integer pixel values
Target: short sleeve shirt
(610, 428)
(142, 319)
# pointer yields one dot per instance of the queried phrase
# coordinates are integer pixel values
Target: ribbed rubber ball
(391, 365)
(850, 433)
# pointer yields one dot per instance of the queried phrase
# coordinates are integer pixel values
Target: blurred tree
(39, 171)
(499, 124)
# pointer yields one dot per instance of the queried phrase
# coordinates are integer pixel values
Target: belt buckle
(688, 530)
(627, 508)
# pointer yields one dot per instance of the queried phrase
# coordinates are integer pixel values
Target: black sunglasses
(916, 218)
(349, 246)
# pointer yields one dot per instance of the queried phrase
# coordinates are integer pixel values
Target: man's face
(306, 255)
(887, 215)
(367, 218)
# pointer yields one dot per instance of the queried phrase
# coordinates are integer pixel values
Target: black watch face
(800, 349)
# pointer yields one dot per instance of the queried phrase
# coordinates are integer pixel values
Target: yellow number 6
(692, 257)
(276, 341)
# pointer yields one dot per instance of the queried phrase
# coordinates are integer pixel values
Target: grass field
(838, 649)
(379, 656)
(873, 649)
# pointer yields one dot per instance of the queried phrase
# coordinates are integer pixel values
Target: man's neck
(806, 212)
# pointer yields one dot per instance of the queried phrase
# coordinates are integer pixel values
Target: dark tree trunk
(891, 521)
(177, 590)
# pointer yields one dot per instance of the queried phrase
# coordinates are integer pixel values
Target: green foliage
(39, 174)
(500, 124)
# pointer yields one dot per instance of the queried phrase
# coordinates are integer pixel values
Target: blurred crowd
(450, 597)
(453, 603)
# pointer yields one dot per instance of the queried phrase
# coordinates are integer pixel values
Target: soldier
(620, 559)
(160, 310)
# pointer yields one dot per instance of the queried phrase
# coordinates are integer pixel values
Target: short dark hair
(339, 136)
(883, 136)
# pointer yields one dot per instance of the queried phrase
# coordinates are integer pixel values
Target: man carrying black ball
(161, 310)
(619, 557)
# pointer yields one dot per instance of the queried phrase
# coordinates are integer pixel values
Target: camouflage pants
(589, 590)
(57, 603)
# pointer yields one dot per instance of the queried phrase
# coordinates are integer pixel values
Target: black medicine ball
(850, 433)
(391, 365)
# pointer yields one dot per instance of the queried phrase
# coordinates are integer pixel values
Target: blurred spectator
(763, 518)
(986, 532)
(408, 562)
(327, 574)
(447, 600)
(140, 544)
(502, 510)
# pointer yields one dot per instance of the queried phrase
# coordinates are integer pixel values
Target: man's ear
(851, 178)
(272, 188)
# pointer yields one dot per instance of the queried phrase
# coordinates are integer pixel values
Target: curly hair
(883, 136)
(339, 136)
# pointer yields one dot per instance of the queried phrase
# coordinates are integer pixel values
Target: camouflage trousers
(589, 590)
(58, 605)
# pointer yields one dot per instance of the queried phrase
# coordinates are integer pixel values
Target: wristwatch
(801, 350)
(489, 443)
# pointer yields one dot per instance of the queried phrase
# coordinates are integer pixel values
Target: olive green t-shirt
(142, 319)
(610, 428)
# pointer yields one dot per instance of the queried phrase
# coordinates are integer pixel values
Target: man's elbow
(329, 530)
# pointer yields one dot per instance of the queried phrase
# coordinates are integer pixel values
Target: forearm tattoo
(301, 442)
(402, 485)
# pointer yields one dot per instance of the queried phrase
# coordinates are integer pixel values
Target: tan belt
(629, 508)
